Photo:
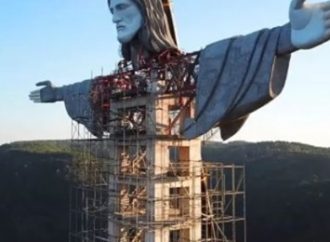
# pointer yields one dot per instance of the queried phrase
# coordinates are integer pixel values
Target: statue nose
(116, 18)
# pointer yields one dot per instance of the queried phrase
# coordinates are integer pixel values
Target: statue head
(141, 23)
(127, 17)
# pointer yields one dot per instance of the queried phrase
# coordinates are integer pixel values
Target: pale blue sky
(67, 41)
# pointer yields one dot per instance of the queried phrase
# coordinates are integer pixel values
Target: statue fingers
(44, 83)
(35, 98)
(32, 97)
(35, 92)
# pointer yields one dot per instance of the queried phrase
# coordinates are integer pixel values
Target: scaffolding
(143, 182)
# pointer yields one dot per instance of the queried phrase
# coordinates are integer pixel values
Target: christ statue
(153, 109)
(234, 76)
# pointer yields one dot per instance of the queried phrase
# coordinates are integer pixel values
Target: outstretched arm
(76, 98)
(309, 26)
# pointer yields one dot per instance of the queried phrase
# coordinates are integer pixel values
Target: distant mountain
(288, 190)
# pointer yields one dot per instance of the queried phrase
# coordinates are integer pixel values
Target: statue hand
(310, 23)
(47, 94)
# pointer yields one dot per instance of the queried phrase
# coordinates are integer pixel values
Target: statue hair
(155, 35)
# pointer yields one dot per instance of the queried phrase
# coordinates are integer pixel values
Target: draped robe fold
(236, 77)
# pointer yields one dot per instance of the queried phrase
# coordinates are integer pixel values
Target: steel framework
(142, 182)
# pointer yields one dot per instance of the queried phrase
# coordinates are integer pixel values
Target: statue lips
(120, 28)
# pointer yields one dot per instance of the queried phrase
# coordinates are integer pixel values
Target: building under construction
(143, 182)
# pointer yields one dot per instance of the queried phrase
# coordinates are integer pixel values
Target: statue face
(127, 17)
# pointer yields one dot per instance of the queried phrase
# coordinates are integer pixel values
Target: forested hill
(288, 190)
(34, 192)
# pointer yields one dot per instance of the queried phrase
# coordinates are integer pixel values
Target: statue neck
(139, 55)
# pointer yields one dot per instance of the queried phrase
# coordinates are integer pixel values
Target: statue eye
(122, 6)
(119, 7)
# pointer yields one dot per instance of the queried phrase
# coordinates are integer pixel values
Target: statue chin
(126, 34)
(125, 38)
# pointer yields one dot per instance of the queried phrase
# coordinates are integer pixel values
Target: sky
(68, 41)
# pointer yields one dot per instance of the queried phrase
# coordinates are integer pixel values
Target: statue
(235, 76)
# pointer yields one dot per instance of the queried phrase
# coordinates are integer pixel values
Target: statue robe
(236, 77)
